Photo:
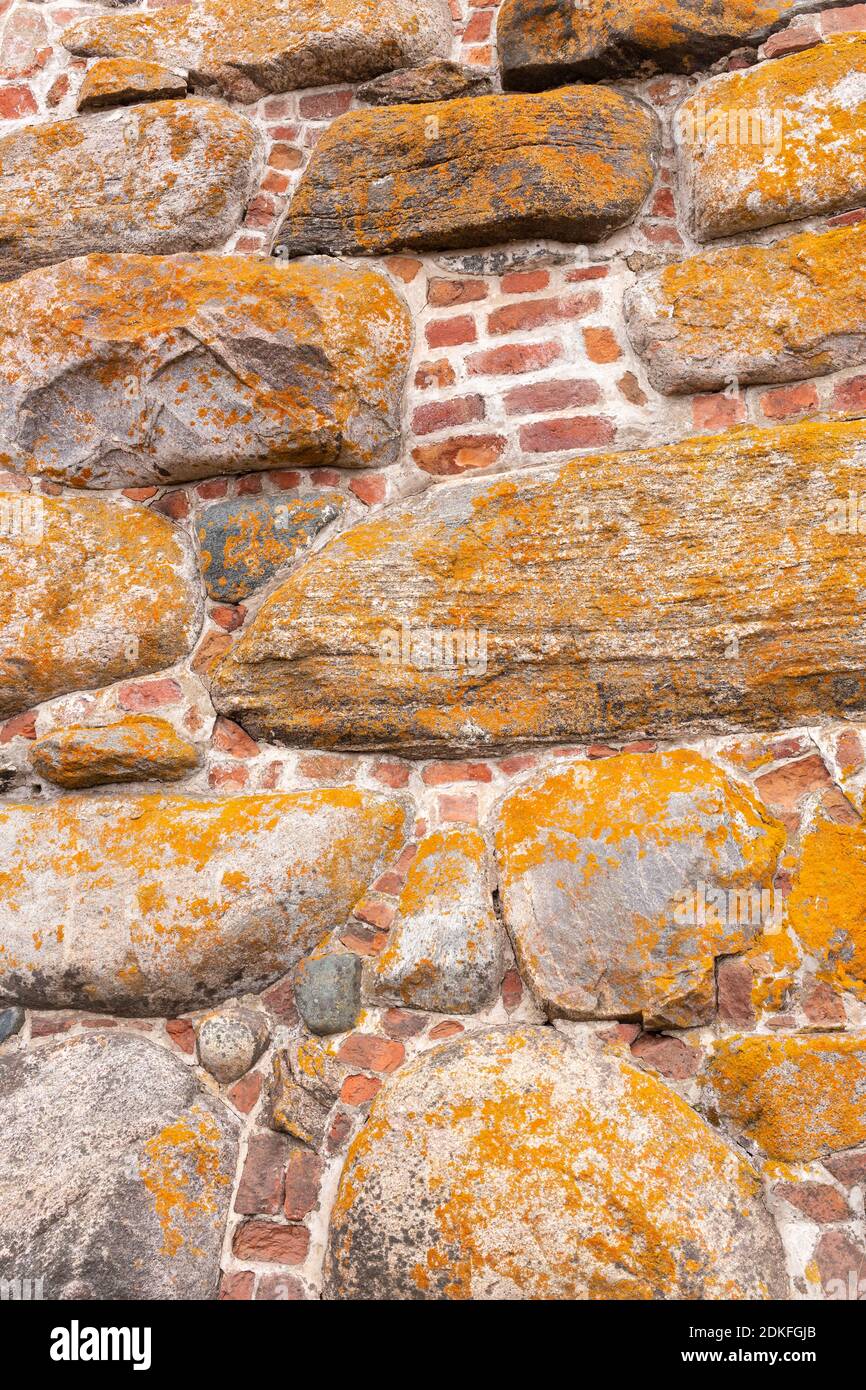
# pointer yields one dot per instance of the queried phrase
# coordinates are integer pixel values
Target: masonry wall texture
(432, 672)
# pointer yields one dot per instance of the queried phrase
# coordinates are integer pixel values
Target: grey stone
(246, 541)
(295, 1110)
(328, 992)
(436, 81)
(230, 1042)
(11, 1021)
(116, 1171)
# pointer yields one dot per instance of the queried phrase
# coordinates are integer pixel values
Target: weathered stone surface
(11, 1022)
(328, 992)
(794, 1098)
(776, 142)
(164, 176)
(116, 1171)
(827, 904)
(118, 371)
(577, 602)
(124, 81)
(295, 1110)
(573, 165)
(434, 81)
(445, 949)
(137, 749)
(512, 1164)
(159, 904)
(90, 593)
(542, 43)
(246, 540)
(753, 313)
(230, 1042)
(245, 48)
(619, 883)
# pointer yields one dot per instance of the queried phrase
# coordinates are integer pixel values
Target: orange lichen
(827, 905)
(181, 1169)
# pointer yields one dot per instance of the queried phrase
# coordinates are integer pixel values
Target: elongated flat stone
(753, 313)
(124, 81)
(160, 177)
(161, 904)
(513, 1164)
(118, 371)
(542, 43)
(622, 880)
(136, 749)
(776, 142)
(91, 592)
(247, 48)
(581, 601)
(574, 165)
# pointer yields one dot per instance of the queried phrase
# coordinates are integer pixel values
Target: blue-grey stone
(245, 541)
(328, 992)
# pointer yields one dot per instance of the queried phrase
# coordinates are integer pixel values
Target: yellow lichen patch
(778, 141)
(795, 1097)
(576, 602)
(511, 1165)
(827, 905)
(134, 749)
(118, 81)
(181, 1169)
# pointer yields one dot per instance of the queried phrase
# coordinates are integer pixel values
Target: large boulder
(91, 592)
(827, 904)
(794, 1099)
(623, 880)
(753, 313)
(159, 904)
(445, 947)
(573, 602)
(247, 48)
(574, 165)
(514, 1164)
(160, 177)
(116, 1171)
(125, 370)
(542, 43)
(777, 142)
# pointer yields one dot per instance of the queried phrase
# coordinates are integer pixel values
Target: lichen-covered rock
(794, 1098)
(118, 371)
(116, 1171)
(827, 903)
(246, 540)
(296, 1110)
(512, 1164)
(542, 43)
(125, 81)
(247, 48)
(230, 1042)
(445, 948)
(576, 602)
(776, 142)
(164, 176)
(328, 992)
(159, 904)
(622, 880)
(753, 313)
(139, 748)
(574, 165)
(436, 81)
(11, 1022)
(91, 593)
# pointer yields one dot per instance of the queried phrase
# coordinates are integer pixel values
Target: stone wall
(432, 671)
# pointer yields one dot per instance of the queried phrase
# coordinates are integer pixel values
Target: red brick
(375, 914)
(451, 332)
(232, 779)
(670, 1057)
(19, 726)
(358, 1090)
(404, 267)
(228, 616)
(173, 504)
(324, 106)
(210, 650)
(265, 1241)
(850, 394)
(582, 273)
(236, 1287)
(461, 454)
(442, 774)
(284, 132)
(786, 786)
(439, 373)
(229, 737)
(390, 774)
(735, 980)
(43, 1026)
(849, 751)
(601, 345)
(447, 1029)
(847, 17)
(399, 1023)
(244, 1094)
(787, 401)
(580, 432)
(325, 477)
(514, 359)
(841, 1260)
(817, 1200)
(848, 1168)
(326, 767)
(303, 1176)
(363, 941)
(15, 102)
(478, 28)
(285, 157)
(794, 40)
(847, 219)
(550, 395)
(57, 91)
(443, 293)
(275, 183)
(517, 762)
(341, 1128)
(286, 479)
(148, 695)
(459, 808)
(629, 387)
(371, 1052)
(280, 1000)
(250, 485)
(479, 57)
(717, 412)
(182, 1034)
(260, 1190)
(214, 487)
(512, 990)
(822, 1007)
(663, 204)
(443, 415)
(525, 281)
(536, 313)
(369, 488)
(661, 234)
